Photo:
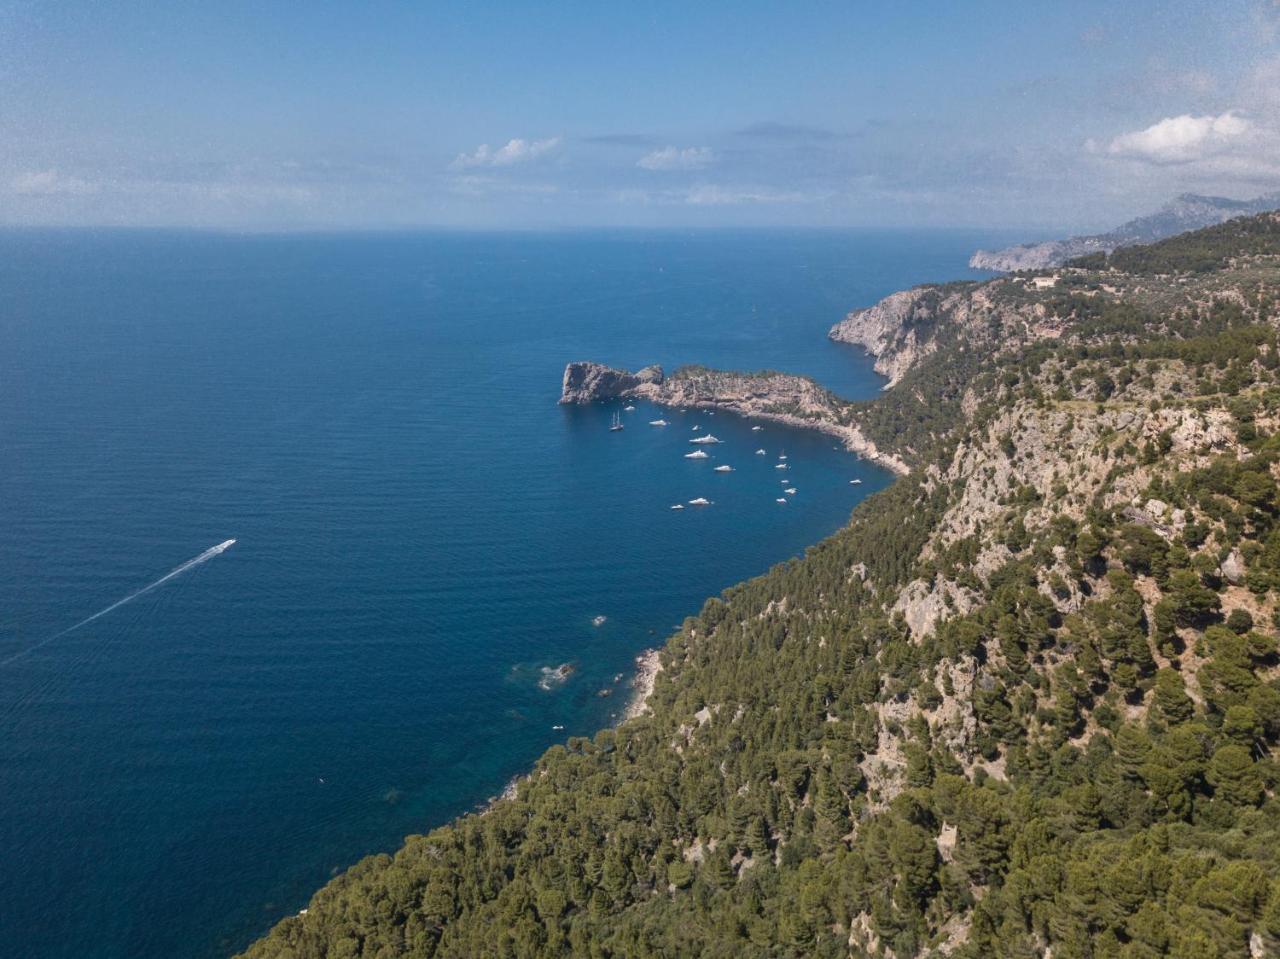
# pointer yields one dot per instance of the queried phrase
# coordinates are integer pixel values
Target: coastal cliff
(587, 382)
(777, 397)
(899, 330)
(1026, 703)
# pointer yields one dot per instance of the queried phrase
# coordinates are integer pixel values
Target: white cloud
(515, 151)
(674, 158)
(50, 183)
(1184, 139)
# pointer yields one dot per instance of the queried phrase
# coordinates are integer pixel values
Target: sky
(1048, 117)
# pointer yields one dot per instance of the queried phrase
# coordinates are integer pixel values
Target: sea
(423, 537)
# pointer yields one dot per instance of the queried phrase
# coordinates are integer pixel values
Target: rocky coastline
(784, 398)
(648, 665)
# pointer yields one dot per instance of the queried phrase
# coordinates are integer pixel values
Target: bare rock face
(588, 382)
(1233, 568)
(1039, 256)
(895, 331)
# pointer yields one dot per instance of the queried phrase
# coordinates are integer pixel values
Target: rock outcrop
(585, 382)
(897, 331)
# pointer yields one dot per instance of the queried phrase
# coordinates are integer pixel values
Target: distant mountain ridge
(1189, 211)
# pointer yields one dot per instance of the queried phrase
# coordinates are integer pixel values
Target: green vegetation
(1200, 251)
(1027, 699)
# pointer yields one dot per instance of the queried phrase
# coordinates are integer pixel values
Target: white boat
(756, 429)
(790, 490)
(657, 422)
(557, 727)
(599, 620)
(705, 438)
(700, 501)
(782, 499)
(724, 469)
(696, 428)
(856, 482)
(759, 452)
(696, 455)
(781, 466)
(629, 409)
(782, 456)
(678, 506)
(617, 423)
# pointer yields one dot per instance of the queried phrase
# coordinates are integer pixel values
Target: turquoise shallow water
(421, 530)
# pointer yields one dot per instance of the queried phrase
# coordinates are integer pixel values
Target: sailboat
(617, 422)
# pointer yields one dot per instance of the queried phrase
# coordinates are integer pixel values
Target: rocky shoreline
(648, 665)
(784, 398)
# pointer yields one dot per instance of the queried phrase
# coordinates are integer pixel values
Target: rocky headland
(776, 397)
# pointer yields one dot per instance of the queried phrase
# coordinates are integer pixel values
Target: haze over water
(420, 531)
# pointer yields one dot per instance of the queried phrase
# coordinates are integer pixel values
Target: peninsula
(777, 397)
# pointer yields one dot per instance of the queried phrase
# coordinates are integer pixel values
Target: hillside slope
(1023, 705)
(1189, 211)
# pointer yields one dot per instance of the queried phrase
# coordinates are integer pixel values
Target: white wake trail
(204, 557)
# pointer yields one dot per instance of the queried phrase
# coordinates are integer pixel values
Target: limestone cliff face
(585, 382)
(906, 327)
(897, 331)
(1039, 256)
(778, 397)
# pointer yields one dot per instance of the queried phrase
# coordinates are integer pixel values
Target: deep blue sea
(420, 531)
